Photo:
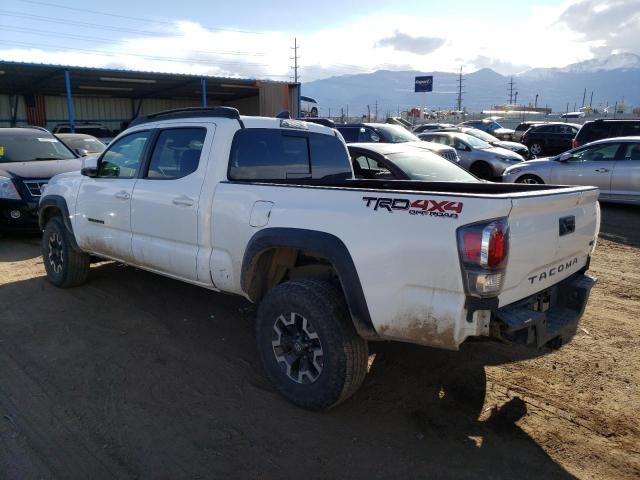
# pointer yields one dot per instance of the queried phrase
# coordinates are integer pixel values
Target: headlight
(8, 189)
(512, 171)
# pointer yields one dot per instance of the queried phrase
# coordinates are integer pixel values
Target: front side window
(632, 151)
(369, 168)
(123, 158)
(176, 153)
(596, 153)
(630, 129)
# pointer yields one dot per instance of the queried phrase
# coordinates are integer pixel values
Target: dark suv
(29, 157)
(550, 138)
(605, 128)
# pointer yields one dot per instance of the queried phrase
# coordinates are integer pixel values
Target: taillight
(484, 250)
(574, 143)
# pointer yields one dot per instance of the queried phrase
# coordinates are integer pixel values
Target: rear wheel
(65, 267)
(535, 149)
(308, 345)
(530, 179)
(482, 170)
(314, 112)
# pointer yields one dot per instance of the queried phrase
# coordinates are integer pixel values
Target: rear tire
(482, 170)
(65, 267)
(536, 149)
(314, 112)
(308, 344)
(530, 179)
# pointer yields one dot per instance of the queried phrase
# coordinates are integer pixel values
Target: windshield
(474, 142)
(493, 126)
(398, 134)
(91, 145)
(474, 132)
(430, 167)
(28, 147)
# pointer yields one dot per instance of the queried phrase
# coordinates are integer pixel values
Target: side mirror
(375, 137)
(89, 167)
(565, 157)
(81, 152)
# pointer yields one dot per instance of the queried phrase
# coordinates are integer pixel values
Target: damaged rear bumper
(547, 319)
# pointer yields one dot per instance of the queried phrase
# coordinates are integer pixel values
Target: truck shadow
(18, 247)
(165, 378)
(620, 223)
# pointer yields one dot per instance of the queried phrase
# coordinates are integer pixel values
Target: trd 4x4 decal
(432, 208)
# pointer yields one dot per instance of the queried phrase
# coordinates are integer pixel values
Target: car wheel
(530, 179)
(314, 112)
(308, 344)
(65, 267)
(535, 149)
(482, 170)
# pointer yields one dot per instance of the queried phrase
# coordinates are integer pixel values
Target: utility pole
(295, 60)
(368, 113)
(460, 79)
(515, 101)
(376, 119)
(535, 105)
(511, 91)
(591, 99)
(584, 96)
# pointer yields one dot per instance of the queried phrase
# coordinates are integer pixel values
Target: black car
(393, 161)
(549, 139)
(29, 157)
(606, 128)
(375, 132)
(523, 127)
(430, 126)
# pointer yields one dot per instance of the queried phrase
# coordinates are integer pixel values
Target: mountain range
(612, 79)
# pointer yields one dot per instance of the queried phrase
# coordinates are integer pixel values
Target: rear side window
(547, 129)
(270, 154)
(176, 153)
(350, 134)
(629, 129)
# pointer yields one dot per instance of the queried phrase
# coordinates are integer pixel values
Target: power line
(66, 21)
(138, 19)
(48, 33)
(148, 57)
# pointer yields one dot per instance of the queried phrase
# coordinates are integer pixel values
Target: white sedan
(612, 164)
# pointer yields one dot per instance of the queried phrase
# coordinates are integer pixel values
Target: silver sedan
(477, 156)
(613, 165)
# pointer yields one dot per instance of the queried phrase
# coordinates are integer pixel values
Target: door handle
(122, 195)
(183, 201)
(602, 170)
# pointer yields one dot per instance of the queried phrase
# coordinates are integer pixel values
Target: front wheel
(530, 179)
(65, 267)
(535, 149)
(308, 344)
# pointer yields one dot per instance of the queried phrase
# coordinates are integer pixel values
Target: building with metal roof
(48, 95)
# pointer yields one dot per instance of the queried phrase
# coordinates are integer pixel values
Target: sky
(255, 38)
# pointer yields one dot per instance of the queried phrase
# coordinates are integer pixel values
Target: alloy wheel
(297, 348)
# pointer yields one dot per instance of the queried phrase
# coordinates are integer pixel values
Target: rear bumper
(547, 319)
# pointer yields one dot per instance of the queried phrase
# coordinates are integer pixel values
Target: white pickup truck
(267, 208)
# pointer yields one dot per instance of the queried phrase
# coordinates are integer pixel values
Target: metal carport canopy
(18, 78)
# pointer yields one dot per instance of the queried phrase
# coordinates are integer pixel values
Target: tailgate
(551, 238)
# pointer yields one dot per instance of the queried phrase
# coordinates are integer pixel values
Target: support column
(203, 82)
(72, 119)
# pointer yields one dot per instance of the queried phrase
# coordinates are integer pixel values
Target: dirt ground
(138, 376)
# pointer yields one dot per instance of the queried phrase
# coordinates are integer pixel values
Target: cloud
(406, 43)
(611, 26)
(500, 66)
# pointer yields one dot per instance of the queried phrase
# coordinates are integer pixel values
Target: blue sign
(424, 84)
